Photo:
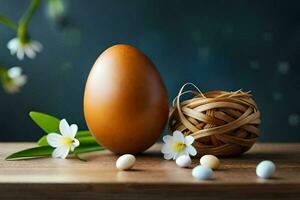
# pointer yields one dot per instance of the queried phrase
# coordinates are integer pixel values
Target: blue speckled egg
(202, 172)
(265, 169)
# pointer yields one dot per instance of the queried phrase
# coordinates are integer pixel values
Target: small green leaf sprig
(23, 45)
(50, 124)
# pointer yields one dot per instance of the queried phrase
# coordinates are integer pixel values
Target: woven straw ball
(222, 123)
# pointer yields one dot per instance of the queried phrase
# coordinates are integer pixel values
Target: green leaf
(80, 134)
(88, 148)
(50, 124)
(8, 22)
(35, 152)
(46, 151)
(87, 140)
(83, 133)
(46, 122)
(78, 157)
(43, 141)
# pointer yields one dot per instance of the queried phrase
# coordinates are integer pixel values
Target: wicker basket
(222, 123)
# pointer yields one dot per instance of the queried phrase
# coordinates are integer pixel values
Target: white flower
(15, 80)
(19, 48)
(56, 9)
(64, 142)
(177, 145)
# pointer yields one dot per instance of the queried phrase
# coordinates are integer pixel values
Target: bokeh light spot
(72, 36)
(66, 66)
(204, 52)
(283, 67)
(254, 64)
(267, 36)
(294, 120)
(277, 96)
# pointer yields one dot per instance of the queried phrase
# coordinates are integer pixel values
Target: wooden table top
(152, 176)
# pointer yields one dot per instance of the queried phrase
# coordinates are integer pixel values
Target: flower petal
(13, 44)
(11, 88)
(30, 52)
(14, 72)
(20, 53)
(168, 156)
(13, 47)
(74, 129)
(192, 151)
(64, 128)
(36, 46)
(13, 51)
(167, 138)
(76, 142)
(176, 155)
(60, 152)
(20, 81)
(166, 149)
(178, 136)
(188, 140)
(53, 139)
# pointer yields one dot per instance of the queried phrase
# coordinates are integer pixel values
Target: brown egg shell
(125, 100)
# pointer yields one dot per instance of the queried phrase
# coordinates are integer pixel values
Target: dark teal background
(223, 45)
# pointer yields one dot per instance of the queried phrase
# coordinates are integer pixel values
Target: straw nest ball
(222, 123)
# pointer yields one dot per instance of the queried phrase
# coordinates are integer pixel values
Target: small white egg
(265, 169)
(184, 161)
(210, 161)
(201, 172)
(125, 162)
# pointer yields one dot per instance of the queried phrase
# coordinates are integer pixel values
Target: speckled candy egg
(265, 169)
(201, 172)
(125, 100)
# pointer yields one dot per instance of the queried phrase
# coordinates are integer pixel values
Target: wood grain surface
(152, 177)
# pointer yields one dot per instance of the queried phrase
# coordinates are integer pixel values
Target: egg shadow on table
(220, 170)
(135, 170)
(207, 180)
(150, 154)
(275, 178)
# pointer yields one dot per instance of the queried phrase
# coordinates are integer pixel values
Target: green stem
(2, 73)
(4, 78)
(2, 68)
(23, 24)
(78, 158)
(8, 22)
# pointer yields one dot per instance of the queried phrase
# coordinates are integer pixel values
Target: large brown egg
(125, 100)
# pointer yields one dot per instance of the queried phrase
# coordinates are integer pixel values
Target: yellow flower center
(66, 141)
(178, 146)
